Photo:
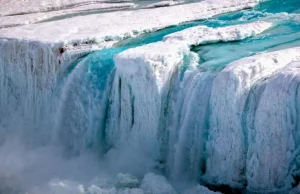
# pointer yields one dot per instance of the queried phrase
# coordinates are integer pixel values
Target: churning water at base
(69, 139)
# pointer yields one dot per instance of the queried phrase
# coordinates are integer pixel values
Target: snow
(17, 7)
(240, 124)
(279, 103)
(16, 20)
(162, 4)
(205, 35)
(115, 26)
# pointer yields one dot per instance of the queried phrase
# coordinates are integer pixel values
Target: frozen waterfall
(209, 103)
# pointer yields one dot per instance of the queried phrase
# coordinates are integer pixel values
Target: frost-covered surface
(163, 4)
(102, 28)
(17, 7)
(141, 82)
(205, 35)
(22, 19)
(234, 148)
(228, 142)
(147, 109)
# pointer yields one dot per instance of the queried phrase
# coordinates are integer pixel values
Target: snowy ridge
(205, 35)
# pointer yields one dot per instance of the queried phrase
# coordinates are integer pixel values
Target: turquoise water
(285, 33)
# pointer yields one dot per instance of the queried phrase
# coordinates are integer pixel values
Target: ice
(200, 190)
(227, 145)
(205, 35)
(28, 74)
(279, 104)
(78, 122)
(156, 184)
(163, 4)
(139, 91)
(31, 6)
(115, 26)
(52, 15)
(126, 180)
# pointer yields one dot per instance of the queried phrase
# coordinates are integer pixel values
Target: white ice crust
(115, 26)
(204, 35)
(162, 4)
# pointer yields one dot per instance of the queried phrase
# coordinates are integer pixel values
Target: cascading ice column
(227, 141)
(274, 142)
(28, 73)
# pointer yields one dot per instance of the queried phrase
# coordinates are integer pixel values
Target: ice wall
(227, 144)
(226, 128)
(28, 75)
(139, 94)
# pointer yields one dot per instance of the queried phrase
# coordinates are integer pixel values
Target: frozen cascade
(226, 142)
(139, 94)
(154, 108)
(83, 101)
(28, 75)
(279, 103)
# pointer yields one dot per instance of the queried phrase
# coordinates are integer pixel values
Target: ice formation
(205, 35)
(145, 116)
(119, 25)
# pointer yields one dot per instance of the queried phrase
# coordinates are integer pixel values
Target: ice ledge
(204, 35)
(116, 26)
